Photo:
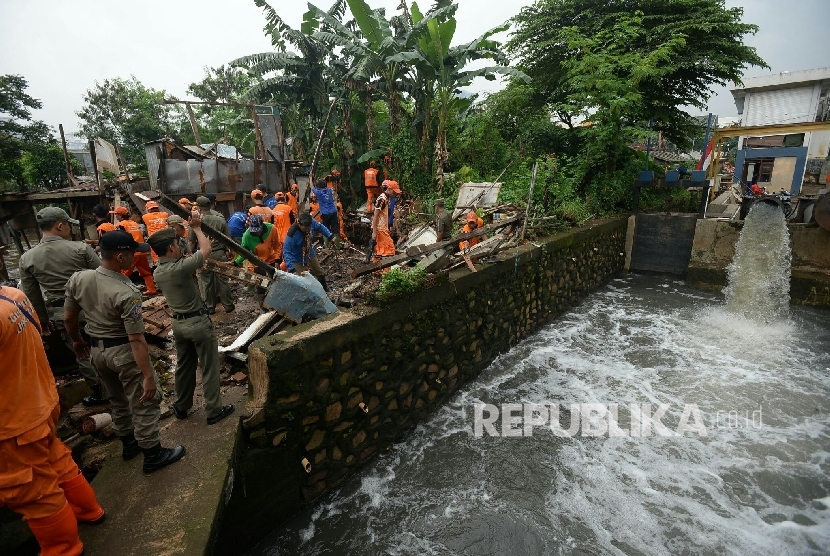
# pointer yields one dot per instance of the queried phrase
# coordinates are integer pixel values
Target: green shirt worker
(117, 348)
(193, 331)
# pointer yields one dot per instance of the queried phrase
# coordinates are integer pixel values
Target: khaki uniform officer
(213, 286)
(443, 221)
(48, 265)
(119, 351)
(193, 330)
(178, 225)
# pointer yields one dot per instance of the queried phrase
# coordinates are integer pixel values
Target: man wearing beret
(214, 287)
(193, 331)
(118, 349)
(44, 271)
(178, 225)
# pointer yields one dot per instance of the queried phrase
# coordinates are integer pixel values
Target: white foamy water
(739, 490)
(759, 275)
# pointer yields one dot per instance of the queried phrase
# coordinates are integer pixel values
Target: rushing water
(759, 275)
(751, 479)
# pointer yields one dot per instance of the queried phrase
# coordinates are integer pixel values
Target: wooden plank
(468, 262)
(417, 251)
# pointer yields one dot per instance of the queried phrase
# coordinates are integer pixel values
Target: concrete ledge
(175, 510)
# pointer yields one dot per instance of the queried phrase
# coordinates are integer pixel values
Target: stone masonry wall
(340, 390)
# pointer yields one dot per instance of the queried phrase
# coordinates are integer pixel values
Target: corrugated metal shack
(189, 171)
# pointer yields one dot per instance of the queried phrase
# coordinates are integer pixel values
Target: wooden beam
(193, 125)
(417, 251)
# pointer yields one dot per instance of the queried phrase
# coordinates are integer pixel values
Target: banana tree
(443, 70)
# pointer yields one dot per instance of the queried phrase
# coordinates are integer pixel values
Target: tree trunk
(370, 122)
(394, 114)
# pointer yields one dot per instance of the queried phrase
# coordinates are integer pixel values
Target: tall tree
(29, 154)
(126, 112)
(231, 124)
(713, 53)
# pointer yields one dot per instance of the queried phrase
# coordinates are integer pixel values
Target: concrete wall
(714, 247)
(401, 362)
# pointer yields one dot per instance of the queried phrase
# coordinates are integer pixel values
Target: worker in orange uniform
(257, 198)
(283, 218)
(38, 477)
(314, 209)
(384, 246)
(155, 220)
(473, 224)
(293, 199)
(140, 263)
(370, 180)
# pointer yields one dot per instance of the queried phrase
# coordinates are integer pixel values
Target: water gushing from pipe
(759, 274)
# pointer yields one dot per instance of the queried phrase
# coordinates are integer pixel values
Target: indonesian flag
(703, 163)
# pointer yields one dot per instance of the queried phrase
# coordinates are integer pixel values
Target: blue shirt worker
(236, 224)
(298, 252)
(193, 331)
(328, 206)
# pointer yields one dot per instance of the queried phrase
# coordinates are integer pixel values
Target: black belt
(57, 302)
(185, 316)
(110, 342)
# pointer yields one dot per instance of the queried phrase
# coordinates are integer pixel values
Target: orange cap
(123, 211)
(279, 196)
(184, 201)
(472, 217)
(295, 187)
(151, 205)
(257, 194)
(393, 185)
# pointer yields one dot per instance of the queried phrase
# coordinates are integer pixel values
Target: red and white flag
(703, 163)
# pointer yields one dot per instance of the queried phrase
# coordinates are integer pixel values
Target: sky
(63, 47)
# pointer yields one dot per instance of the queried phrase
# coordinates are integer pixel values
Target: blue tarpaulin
(298, 295)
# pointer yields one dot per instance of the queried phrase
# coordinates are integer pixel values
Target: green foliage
(712, 53)
(398, 282)
(125, 112)
(232, 124)
(30, 157)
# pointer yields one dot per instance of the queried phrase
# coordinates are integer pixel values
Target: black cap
(119, 240)
(211, 196)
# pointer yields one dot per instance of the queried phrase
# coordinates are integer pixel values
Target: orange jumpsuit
(38, 477)
(314, 207)
(384, 246)
(293, 203)
(370, 180)
(340, 217)
(155, 221)
(472, 241)
(266, 213)
(283, 218)
(105, 227)
(140, 261)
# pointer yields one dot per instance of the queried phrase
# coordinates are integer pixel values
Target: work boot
(322, 280)
(82, 499)
(57, 534)
(224, 412)
(129, 447)
(96, 398)
(157, 457)
(229, 308)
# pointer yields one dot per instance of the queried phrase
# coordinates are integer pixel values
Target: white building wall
(782, 106)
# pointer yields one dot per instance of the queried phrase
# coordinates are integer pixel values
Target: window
(765, 172)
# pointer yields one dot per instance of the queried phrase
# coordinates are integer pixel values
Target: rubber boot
(82, 499)
(157, 457)
(58, 534)
(96, 398)
(151, 285)
(129, 447)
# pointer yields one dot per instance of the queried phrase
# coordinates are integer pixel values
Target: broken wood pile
(158, 318)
